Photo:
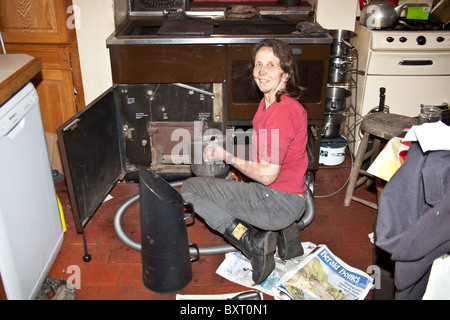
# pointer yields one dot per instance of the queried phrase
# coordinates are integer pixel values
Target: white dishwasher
(31, 232)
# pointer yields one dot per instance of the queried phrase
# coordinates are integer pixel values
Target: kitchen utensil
(341, 45)
(379, 14)
(340, 70)
(336, 100)
(205, 169)
(332, 124)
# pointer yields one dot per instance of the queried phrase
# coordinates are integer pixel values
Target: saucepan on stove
(336, 100)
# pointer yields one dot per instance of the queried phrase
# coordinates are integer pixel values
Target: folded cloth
(431, 136)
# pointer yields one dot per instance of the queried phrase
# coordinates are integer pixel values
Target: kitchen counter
(16, 70)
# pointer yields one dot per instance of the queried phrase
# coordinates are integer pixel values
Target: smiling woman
(247, 213)
(279, 56)
(268, 75)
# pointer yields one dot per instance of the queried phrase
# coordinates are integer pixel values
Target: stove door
(92, 154)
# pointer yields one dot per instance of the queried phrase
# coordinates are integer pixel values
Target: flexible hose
(306, 219)
(137, 246)
(310, 210)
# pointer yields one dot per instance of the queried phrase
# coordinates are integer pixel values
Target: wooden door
(38, 28)
(31, 21)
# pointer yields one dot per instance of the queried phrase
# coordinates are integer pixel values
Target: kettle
(379, 14)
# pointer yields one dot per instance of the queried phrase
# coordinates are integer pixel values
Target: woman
(247, 214)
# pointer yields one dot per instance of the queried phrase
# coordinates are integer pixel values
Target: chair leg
(376, 151)
(356, 168)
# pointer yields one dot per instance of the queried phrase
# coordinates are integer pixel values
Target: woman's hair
(287, 63)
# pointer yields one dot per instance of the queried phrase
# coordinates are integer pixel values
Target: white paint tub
(332, 151)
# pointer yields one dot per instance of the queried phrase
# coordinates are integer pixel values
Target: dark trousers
(220, 201)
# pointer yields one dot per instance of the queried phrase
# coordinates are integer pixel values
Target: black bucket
(166, 262)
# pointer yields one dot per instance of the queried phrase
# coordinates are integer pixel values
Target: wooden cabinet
(39, 28)
(28, 21)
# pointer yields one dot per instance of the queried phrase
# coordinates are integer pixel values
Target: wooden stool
(380, 126)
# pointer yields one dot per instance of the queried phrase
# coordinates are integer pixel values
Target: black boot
(257, 245)
(288, 243)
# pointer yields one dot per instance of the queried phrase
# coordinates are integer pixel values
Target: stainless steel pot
(205, 169)
(336, 100)
(340, 70)
(341, 45)
(332, 125)
(379, 14)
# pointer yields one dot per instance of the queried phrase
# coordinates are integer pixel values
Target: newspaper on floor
(316, 275)
(237, 268)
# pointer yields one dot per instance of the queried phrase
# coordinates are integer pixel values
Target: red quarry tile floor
(114, 273)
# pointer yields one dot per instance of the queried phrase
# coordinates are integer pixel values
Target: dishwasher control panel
(13, 110)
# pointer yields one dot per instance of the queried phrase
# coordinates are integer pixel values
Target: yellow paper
(390, 159)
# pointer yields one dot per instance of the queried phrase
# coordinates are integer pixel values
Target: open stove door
(92, 151)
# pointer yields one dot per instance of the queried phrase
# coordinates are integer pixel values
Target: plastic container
(332, 151)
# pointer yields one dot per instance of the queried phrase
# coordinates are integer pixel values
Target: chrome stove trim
(219, 14)
(213, 39)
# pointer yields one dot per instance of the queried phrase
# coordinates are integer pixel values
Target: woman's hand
(214, 152)
(263, 172)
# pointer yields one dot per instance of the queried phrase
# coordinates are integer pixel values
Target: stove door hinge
(72, 126)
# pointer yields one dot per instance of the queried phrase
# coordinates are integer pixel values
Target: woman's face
(267, 72)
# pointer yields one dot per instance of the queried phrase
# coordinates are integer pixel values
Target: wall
(96, 24)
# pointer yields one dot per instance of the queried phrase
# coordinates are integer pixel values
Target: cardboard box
(53, 152)
(419, 13)
(417, 9)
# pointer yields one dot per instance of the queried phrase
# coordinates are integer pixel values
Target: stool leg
(355, 170)
(376, 151)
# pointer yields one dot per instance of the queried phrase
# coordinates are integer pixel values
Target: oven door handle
(416, 62)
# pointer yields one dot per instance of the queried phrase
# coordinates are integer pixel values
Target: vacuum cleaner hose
(137, 246)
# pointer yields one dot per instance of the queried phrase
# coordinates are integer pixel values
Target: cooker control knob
(440, 39)
(421, 40)
(402, 39)
(389, 39)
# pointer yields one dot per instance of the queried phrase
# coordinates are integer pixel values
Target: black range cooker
(177, 69)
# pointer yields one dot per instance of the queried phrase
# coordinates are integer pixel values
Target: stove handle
(416, 62)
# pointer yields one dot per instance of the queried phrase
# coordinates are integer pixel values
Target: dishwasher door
(31, 232)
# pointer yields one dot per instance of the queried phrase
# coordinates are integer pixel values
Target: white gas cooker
(413, 66)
